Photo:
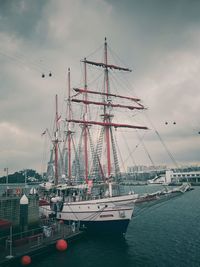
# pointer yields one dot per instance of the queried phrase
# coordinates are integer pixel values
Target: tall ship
(92, 194)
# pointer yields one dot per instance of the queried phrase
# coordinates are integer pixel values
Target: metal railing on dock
(18, 244)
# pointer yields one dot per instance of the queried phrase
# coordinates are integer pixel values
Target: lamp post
(10, 256)
(6, 170)
(25, 179)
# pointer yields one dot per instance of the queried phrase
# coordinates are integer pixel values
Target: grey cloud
(21, 17)
(158, 39)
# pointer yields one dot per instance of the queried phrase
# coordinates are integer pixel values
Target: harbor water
(163, 234)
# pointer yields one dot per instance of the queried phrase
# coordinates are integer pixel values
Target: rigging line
(65, 137)
(26, 60)
(73, 212)
(120, 77)
(80, 150)
(120, 155)
(125, 83)
(95, 51)
(115, 80)
(99, 212)
(164, 145)
(149, 156)
(19, 61)
(123, 161)
(169, 153)
(63, 107)
(143, 210)
(96, 165)
(115, 157)
(158, 203)
(115, 55)
(77, 162)
(36, 65)
(91, 147)
(81, 75)
(137, 145)
(92, 216)
(61, 160)
(119, 152)
(53, 123)
(95, 79)
(50, 137)
(27, 64)
(121, 83)
(129, 151)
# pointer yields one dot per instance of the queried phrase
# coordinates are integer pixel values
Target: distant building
(143, 168)
(192, 177)
(175, 177)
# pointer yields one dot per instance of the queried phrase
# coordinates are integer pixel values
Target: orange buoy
(26, 260)
(61, 245)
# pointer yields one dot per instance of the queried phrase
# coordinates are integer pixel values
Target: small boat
(158, 179)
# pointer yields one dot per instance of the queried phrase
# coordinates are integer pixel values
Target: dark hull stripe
(109, 227)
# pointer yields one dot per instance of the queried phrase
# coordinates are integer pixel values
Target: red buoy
(61, 245)
(26, 260)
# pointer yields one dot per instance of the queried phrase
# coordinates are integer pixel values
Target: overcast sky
(158, 39)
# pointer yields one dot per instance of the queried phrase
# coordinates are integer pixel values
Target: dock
(34, 243)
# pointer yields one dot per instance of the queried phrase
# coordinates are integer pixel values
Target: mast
(107, 104)
(107, 115)
(68, 128)
(56, 143)
(85, 124)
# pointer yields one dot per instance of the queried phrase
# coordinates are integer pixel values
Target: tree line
(21, 177)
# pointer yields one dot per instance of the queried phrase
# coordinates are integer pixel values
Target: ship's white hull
(108, 214)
